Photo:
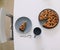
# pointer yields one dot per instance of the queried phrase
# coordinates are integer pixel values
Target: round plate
(20, 21)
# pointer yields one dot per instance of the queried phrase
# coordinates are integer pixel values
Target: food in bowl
(23, 26)
(50, 16)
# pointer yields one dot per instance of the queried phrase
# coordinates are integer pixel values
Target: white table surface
(49, 38)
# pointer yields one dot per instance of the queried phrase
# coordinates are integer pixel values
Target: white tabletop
(49, 38)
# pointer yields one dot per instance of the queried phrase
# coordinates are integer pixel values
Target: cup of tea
(37, 31)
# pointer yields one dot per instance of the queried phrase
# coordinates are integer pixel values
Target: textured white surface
(50, 38)
(2, 26)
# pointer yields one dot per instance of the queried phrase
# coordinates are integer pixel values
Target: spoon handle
(34, 36)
